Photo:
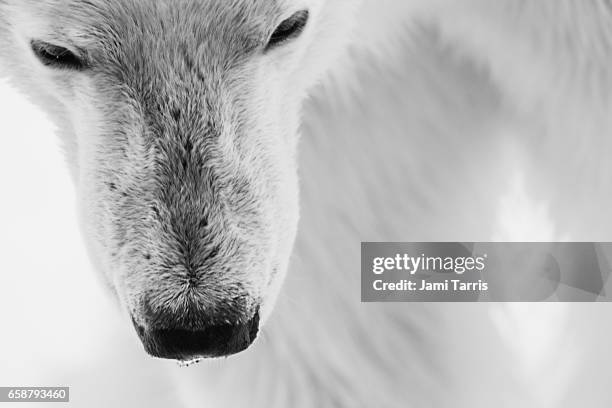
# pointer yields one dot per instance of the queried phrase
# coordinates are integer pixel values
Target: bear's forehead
(227, 27)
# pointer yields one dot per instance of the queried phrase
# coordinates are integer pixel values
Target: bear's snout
(206, 340)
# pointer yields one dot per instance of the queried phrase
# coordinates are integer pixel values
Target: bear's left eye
(288, 29)
(57, 56)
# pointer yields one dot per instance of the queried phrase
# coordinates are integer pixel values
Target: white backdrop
(47, 288)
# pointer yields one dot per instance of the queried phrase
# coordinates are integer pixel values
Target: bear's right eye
(57, 56)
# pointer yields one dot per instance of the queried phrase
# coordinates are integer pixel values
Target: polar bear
(437, 120)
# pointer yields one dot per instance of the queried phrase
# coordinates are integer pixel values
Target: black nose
(215, 340)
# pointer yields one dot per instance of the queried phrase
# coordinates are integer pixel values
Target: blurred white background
(46, 282)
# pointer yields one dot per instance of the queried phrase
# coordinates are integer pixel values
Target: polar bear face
(180, 120)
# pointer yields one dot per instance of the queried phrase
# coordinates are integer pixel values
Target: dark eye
(57, 56)
(288, 29)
